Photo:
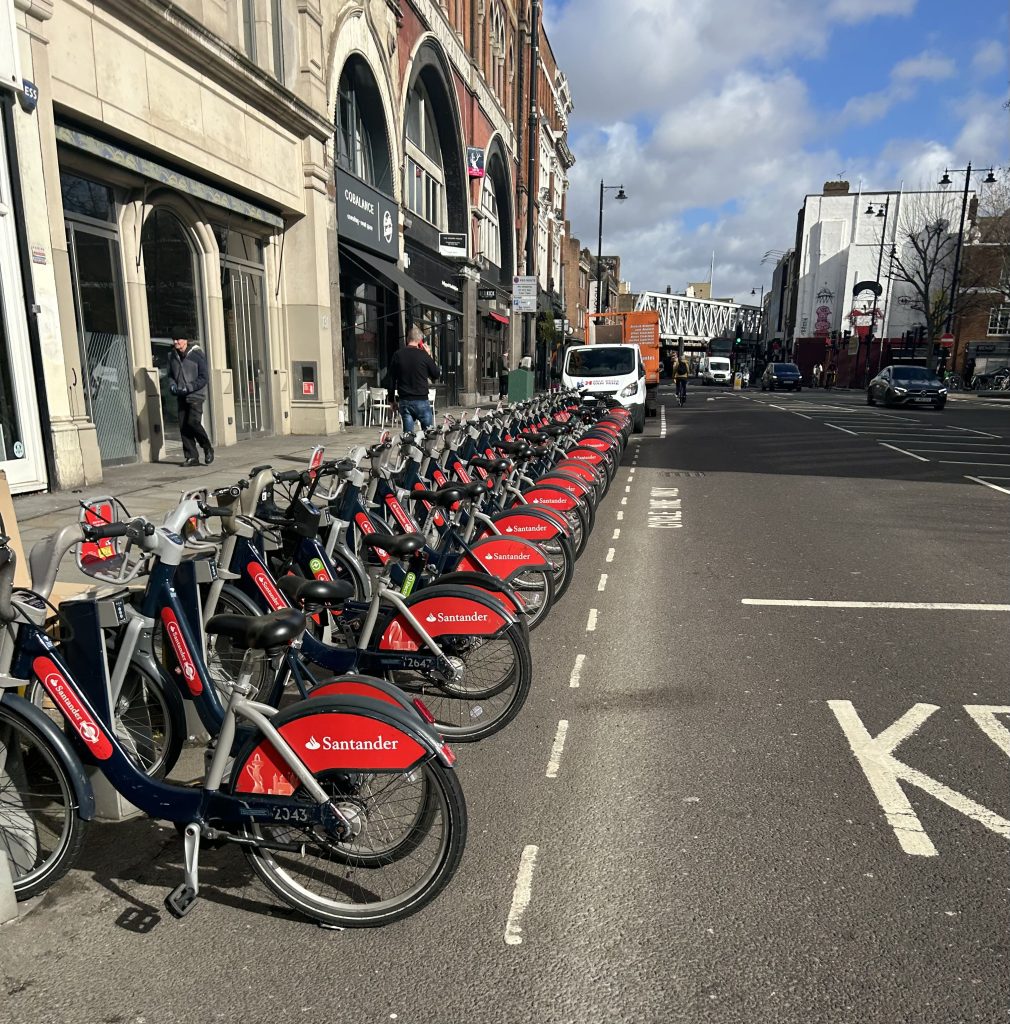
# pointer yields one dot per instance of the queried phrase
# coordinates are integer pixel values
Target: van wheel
(638, 420)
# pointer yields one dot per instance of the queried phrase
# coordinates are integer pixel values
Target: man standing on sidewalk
(411, 369)
(187, 380)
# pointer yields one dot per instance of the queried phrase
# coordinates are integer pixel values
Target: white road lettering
(985, 718)
(521, 897)
(916, 606)
(885, 772)
(665, 512)
(554, 764)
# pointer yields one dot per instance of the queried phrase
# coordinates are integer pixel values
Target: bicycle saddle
(557, 430)
(398, 547)
(513, 447)
(259, 632)
(444, 497)
(477, 489)
(491, 465)
(322, 593)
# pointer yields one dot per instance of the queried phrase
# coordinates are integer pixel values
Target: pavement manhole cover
(681, 472)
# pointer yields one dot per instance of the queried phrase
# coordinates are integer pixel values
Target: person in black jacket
(187, 380)
(410, 370)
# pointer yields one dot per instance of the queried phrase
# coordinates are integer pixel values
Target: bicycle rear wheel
(40, 830)
(410, 834)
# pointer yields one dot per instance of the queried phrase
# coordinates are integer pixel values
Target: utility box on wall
(520, 385)
(306, 381)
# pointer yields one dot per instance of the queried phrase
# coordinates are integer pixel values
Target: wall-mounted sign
(450, 244)
(39, 254)
(10, 61)
(29, 96)
(487, 293)
(366, 216)
(524, 294)
(475, 162)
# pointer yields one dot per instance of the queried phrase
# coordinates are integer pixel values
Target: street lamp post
(620, 197)
(761, 324)
(880, 211)
(990, 179)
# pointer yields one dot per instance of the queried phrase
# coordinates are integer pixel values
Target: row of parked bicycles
(997, 380)
(333, 628)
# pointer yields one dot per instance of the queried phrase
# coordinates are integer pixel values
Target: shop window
(86, 198)
(361, 143)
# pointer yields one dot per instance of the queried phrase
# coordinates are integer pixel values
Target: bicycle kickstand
(181, 900)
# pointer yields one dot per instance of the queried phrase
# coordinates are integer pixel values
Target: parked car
(907, 385)
(781, 375)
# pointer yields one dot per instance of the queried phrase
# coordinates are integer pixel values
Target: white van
(715, 370)
(609, 371)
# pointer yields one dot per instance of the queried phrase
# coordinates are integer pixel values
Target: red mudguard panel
(441, 616)
(328, 741)
(517, 524)
(553, 497)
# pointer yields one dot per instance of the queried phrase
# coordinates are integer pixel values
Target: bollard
(737, 381)
(8, 901)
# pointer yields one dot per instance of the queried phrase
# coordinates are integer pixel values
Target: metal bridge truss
(699, 320)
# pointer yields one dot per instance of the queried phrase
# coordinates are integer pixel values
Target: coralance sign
(367, 217)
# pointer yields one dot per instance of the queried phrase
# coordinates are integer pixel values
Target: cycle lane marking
(591, 622)
(665, 509)
(617, 534)
(894, 448)
(884, 772)
(554, 764)
(575, 679)
(620, 517)
(929, 606)
(985, 483)
(521, 896)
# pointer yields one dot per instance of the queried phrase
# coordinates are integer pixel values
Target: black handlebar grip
(105, 531)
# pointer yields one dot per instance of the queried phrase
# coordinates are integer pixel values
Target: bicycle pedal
(181, 900)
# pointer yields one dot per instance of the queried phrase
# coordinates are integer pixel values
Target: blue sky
(718, 116)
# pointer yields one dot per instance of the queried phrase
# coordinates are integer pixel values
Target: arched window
(423, 174)
(173, 296)
(353, 141)
(490, 229)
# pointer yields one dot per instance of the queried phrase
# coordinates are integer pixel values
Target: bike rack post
(8, 901)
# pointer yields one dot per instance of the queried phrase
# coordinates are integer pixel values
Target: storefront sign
(450, 244)
(29, 96)
(475, 162)
(486, 293)
(524, 294)
(366, 216)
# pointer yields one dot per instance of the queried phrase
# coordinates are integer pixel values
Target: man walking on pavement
(411, 369)
(187, 380)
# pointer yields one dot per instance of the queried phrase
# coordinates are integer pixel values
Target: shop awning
(396, 277)
(499, 317)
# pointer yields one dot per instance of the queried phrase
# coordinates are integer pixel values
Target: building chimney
(836, 188)
(669, 289)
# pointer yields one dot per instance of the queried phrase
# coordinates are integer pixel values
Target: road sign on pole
(524, 294)
(947, 340)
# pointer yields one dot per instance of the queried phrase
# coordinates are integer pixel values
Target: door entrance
(245, 345)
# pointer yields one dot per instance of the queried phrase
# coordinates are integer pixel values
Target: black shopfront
(433, 301)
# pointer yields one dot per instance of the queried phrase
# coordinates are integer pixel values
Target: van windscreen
(600, 362)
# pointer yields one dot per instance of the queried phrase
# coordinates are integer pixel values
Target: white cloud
(904, 82)
(933, 67)
(990, 58)
(860, 10)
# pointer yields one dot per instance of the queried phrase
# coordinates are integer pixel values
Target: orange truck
(638, 329)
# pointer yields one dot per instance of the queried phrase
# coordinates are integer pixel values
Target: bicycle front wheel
(41, 831)
(410, 831)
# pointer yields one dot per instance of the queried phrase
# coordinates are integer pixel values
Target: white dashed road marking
(554, 764)
(521, 897)
(617, 534)
(610, 554)
(576, 677)
(591, 623)
(985, 483)
(903, 452)
(603, 583)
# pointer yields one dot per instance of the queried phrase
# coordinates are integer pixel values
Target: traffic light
(739, 334)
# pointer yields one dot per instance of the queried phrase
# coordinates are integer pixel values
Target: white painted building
(846, 237)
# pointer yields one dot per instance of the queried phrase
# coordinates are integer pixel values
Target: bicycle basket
(108, 559)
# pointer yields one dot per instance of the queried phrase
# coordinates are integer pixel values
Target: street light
(620, 197)
(990, 179)
(879, 212)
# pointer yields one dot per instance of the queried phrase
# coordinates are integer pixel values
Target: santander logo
(266, 585)
(60, 690)
(182, 654)
(538, 529)
(400, 514)
(331, 744)
(471, 617)
(501, 556)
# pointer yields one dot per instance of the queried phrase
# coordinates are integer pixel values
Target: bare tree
(925, 243)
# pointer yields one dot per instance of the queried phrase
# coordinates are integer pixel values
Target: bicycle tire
(36, 761)
(278, 870)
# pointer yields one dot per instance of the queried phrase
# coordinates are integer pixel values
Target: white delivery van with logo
(609, 371)
(715, 370)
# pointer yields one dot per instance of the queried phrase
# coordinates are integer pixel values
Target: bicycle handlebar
(8, 564)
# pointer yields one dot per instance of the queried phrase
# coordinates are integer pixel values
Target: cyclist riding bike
(680, 375)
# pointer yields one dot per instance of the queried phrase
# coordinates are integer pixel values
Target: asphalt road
(759, 812)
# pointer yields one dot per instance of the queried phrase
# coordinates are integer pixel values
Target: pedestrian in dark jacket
(187, 380)
(411, 369)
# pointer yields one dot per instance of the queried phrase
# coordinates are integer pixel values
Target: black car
(781, 375)
(907, 385)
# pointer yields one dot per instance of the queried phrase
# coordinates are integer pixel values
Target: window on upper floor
(999, 320)
(353, 140)
(423, 175)
(490, 229)
(277, 35)
(249, 28)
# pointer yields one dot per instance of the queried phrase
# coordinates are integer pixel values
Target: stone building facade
(289, 185)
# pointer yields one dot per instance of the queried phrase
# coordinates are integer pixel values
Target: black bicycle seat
(444, 497)
(259, 632)
(477, 489)
(321, 593)
(513, 447)
(491, 465)
(398, 547)
(557, 429)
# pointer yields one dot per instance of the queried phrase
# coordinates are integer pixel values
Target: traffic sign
(947, 340)
(524, 294)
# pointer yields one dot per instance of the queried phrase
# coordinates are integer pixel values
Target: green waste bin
(520, 385)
